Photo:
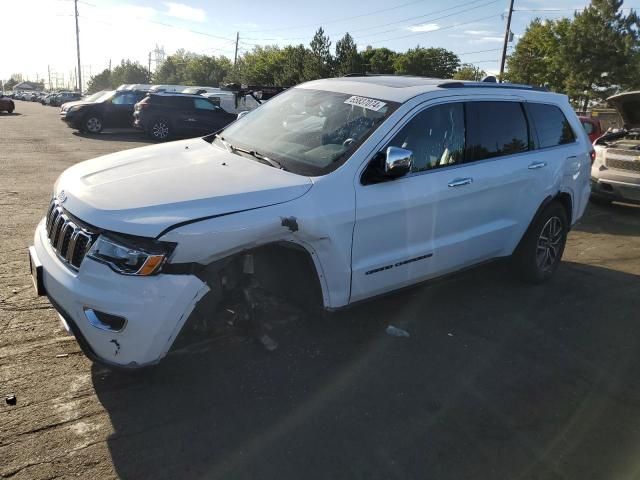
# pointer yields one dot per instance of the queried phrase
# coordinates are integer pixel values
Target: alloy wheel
(94, 125)
(549, 244)
(160, 130)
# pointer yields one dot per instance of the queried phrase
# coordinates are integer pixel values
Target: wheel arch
(563, 198)
(285, 267)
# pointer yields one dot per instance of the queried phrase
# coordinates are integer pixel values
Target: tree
(290, 68)
(207, 71)
(601, 49)
(129, 72)
(173, 71)
(101, 81)
(318, 64)
(15, 79)
(537, 58)
(428, 62)
(347, 59)
(378, 60)
(468, 71)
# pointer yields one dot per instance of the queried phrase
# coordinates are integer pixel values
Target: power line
(342, 19)
(447, 27)
(392, 23)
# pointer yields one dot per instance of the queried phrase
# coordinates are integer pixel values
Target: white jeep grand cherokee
(330, 193)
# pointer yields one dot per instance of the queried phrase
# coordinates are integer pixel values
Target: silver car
(615, 174)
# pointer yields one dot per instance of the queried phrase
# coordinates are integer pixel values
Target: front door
(461, 204)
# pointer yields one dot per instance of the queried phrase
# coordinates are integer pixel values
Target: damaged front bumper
(118, 320)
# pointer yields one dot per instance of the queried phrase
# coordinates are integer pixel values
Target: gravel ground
(499, 380)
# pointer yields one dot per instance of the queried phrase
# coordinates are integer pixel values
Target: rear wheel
(11, 109)
(540, 251)
(160, 130)
(92, 124)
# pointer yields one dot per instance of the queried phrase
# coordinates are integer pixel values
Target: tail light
(592, 153)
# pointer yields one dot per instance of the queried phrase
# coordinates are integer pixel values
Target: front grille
(629, 165)
(70, 241)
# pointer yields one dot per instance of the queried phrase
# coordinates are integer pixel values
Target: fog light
(105, 321)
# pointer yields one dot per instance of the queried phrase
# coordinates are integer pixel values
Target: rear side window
(552, 126)
(495, 129)
(588, 127)
(202, 104)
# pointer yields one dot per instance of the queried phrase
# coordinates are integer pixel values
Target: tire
(160, 130)
(11, 109)
(537, 257)
(92, 124)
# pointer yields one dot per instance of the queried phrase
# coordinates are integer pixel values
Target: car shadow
(613, 219)
(7, 114)
(497, 380)
(124, 135)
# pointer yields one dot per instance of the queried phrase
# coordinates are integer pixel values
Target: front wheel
(540, 251)
(160, 130)
(92, 124)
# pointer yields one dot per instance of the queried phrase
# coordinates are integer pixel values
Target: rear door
(210, 117)
(119, 112)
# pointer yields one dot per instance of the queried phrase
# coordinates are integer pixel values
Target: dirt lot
(498, 380)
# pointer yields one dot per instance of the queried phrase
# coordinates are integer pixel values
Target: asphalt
(498, 379)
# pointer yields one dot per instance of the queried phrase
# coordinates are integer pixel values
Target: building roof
(27, 86)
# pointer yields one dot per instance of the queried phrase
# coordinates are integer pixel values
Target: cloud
(487, 40)
(185, 12)
(479, 32)
(424, 27)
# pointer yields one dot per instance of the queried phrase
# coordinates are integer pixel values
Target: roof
(175, 94)
(398, 88)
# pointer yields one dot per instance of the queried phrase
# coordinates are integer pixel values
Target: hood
(628, 106)
(67, 105)
(145, 190)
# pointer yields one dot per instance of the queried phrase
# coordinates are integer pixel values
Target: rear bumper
(155, 308)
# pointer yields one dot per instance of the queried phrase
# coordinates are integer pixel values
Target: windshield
(104, 95)
(309, 132)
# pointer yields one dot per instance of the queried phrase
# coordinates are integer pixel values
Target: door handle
(536, 165)
(458, 182)
(191, 119)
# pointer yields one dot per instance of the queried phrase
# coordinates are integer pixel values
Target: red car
(6, 104)
(592, 127)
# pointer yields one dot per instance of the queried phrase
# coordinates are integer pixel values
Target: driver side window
(436, 136)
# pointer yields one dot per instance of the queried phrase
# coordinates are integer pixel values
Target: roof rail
(512, 86)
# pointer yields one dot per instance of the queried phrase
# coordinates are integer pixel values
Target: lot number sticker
(364, 102)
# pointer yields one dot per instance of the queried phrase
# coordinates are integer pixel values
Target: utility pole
(109, 65)
(49, 74)
(150, 66)
(507, 34)
(235, 56)
(79, 78)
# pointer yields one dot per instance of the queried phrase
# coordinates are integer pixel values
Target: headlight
(130, 259)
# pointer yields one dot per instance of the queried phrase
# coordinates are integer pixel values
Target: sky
(38, 36)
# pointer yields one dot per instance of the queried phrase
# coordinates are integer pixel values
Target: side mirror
(397, 162)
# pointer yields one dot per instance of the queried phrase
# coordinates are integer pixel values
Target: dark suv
(114, 111)
(164, 115)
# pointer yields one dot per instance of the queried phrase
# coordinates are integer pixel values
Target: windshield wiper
(257, 155)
